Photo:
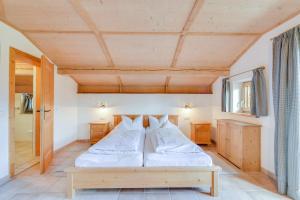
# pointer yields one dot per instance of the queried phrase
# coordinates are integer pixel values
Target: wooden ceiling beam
(141, 33)
(178, 50)
(41, 31)
(221, 34)
(144, 89)
(120, 83)
(196, 8)
(88, 20)
(168, 78)
(205, 71)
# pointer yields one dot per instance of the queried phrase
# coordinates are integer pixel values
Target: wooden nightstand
(201, 133)
(98, 130)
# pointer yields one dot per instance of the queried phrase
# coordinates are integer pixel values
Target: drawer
(202, 138)
(99, 127)
(202, 128)
(98, 131)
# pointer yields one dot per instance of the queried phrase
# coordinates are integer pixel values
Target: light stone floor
(24, 156)
(235, 185)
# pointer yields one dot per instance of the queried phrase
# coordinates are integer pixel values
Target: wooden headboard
(172, 118)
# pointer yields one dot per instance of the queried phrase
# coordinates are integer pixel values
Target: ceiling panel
(141, 79)
(139, 15)
(212, 51)
(192, 80)
(246, 16)
(70, 49)
(23, 69)
(141, 50)
(95, 79)
(43, 15)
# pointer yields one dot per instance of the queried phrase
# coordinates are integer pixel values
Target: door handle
(44, 111)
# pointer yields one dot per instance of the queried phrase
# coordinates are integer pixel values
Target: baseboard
(268, 173)
(4, 180)
(63, 147)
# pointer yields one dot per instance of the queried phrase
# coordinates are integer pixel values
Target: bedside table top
(100, 122)
(197, 123)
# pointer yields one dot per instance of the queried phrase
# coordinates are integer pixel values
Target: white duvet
(119, 140)
(166, 140)
(155, 159)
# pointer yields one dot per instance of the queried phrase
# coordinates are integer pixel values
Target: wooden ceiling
(153, 46)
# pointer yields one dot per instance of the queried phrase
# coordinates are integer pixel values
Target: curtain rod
(245, 72)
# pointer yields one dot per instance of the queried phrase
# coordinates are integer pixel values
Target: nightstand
(98, 130)
(201, 133)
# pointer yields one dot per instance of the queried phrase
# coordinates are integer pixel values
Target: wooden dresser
(201, 133)
(239, 142)
(98, 130)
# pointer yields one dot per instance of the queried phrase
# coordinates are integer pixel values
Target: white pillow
(135, 124)
(158, 123)
(169, 124)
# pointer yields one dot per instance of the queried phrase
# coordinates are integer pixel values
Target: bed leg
(70, 186)
(214, 189)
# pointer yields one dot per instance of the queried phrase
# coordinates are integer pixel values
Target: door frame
(13, 53)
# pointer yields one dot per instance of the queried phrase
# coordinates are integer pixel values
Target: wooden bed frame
(142, 177)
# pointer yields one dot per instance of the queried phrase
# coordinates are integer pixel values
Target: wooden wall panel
(71, 49)
(246, 16)
(136, 15)
(43, 15)
(137, 89)
(141, 50)
(212, 50)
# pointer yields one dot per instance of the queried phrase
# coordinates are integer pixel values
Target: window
(245, 97)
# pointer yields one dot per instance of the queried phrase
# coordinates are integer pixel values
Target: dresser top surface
(240, 123)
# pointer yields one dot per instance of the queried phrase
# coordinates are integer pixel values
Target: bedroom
(102, 59)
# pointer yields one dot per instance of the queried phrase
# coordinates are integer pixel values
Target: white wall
(65, 111)
(11, 38)
(260, 54)
(142, 104)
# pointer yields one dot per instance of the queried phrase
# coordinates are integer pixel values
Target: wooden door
(236, 151)
(47, 105)
(221, 137)
(37, 110)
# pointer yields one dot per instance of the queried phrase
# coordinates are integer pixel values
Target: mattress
(122, 159)
(154, 159)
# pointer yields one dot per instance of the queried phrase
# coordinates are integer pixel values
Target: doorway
(24, 119)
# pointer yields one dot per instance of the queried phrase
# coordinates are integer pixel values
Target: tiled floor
(23, 151)
(24, 156)
(235, 185)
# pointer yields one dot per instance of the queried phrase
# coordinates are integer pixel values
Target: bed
(148, 176)
(154, 159)
(111, 159)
